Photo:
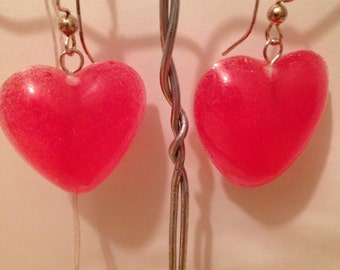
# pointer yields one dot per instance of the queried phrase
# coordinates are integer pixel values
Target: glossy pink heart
(254, 120)
(73, 129)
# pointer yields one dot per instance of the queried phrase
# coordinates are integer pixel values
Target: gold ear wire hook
(248, 31)
(61, 9)
(81, 32)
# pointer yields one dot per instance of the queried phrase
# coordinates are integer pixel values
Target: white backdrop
(291, 223)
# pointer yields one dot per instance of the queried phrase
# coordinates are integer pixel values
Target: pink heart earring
(255, 117)
(73, 126)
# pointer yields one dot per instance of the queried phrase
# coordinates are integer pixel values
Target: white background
(291, 223)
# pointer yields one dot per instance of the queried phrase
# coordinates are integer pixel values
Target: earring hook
(250, 29)
(80, 24)
(81, 32)
(62, 9)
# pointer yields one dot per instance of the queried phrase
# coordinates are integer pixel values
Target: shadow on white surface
(203, 237)
(126, 208)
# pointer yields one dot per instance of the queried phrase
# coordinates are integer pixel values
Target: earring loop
(71, 53)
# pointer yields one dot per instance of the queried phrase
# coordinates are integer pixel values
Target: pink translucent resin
(254, 120)
(73, 129)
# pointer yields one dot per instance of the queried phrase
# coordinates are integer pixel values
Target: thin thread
(76, 224)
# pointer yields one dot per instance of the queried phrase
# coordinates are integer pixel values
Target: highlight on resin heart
(254, 120)
(73, 129)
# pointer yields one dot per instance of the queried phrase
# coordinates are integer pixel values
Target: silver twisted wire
(179, 123)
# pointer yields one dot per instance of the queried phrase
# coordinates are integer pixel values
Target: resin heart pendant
(73, 129)
(254, 120)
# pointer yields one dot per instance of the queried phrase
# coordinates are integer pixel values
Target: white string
(76, 223)
(53, 22)
(76, 231)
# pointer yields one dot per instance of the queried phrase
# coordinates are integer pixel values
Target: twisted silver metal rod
(179, 123)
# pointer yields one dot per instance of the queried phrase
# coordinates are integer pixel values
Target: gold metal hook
(81, 32)
(62, 9)
(257, 2)
(78, 23)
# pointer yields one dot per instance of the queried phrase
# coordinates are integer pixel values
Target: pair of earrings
(253, 117)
